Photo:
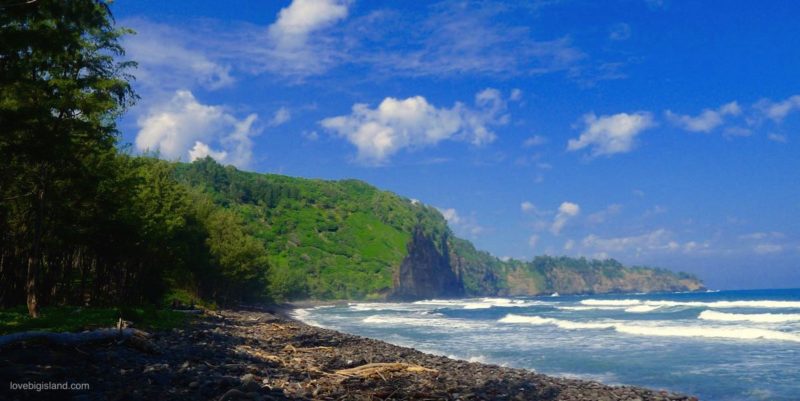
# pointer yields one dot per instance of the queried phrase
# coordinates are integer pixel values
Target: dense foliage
(325, 239)
(81, 223)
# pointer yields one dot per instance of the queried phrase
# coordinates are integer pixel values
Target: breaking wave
(739, 333)
(483, 303)
(765, 304)
(744, 317)
(434, 321)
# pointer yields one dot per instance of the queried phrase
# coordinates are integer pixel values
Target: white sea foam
(304, 315)
(762, 304)
(740, 333)
(376, 306)
(641, 308)
(482, 303)
(585, 308)
(422, 321)
(564, 324)
(610, 302)
(743, 333)
(749, 317)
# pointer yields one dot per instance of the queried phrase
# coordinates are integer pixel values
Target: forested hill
(349, 240)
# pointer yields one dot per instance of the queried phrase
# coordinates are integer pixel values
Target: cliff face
(426, 272)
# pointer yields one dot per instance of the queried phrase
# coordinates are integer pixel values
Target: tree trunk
(35, 258)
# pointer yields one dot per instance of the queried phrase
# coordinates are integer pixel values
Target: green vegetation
(324, 239)
(70, 318)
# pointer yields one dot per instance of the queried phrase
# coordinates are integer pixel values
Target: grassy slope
(344, 239)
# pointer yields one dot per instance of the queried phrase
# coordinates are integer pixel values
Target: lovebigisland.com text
(39, 386)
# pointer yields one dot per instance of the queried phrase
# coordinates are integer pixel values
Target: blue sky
(657, 132)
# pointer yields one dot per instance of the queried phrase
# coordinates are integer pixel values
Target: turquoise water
(727, 345)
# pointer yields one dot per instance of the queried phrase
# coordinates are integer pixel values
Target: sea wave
(658, 330)
(564, 324)
(482, 303)
(761, 304)
(641, 308)
(422, 321)
(749, 317)
(611, 302)
(585, 308)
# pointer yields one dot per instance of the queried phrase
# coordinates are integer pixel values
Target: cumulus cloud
(302, 17)
(656, 240)
(294, 45)
(185, 128)
(611, 134)
(566, 211)
(281, 116)
(603, 215)
(778, 138)
(527, 207)
(707, 120)
(535, 140)
(777, 111)
(621, 31)
(467, 225)
(413, 122)
(533, 240)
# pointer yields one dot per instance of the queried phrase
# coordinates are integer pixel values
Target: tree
(61, 89)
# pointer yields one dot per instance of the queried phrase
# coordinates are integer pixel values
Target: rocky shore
(262, 355)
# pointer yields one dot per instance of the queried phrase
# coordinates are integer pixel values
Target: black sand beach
(263, 355)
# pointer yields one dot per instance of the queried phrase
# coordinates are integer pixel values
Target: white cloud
(535, 140)
(295, 44)
(607, 135)
(777, 111)
(707, 120)
(760, 235)
(566, 211)
(767, 248)
(778, 138)
(656, 240)
(451, 215)
(533, 240)
(281, 116)
(737, 131)
(603, 215)
(438, 43)
(185, 128)
(461, 225)
(528, 207)
(302, 17)
(569, 245)
(621, 31)
(168, 62)
(516, 95)
(397, 124)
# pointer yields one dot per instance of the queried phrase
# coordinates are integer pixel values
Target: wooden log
(75, 338)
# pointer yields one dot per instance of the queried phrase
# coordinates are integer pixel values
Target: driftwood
(379, 368)
(189, 311)
(136, 337)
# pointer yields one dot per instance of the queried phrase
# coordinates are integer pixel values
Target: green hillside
(346, 240)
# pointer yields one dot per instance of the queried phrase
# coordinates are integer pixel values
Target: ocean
(725, 345)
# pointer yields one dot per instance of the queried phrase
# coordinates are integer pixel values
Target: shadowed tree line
(80, 221)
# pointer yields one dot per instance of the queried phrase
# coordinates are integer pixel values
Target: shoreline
(262, 352)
